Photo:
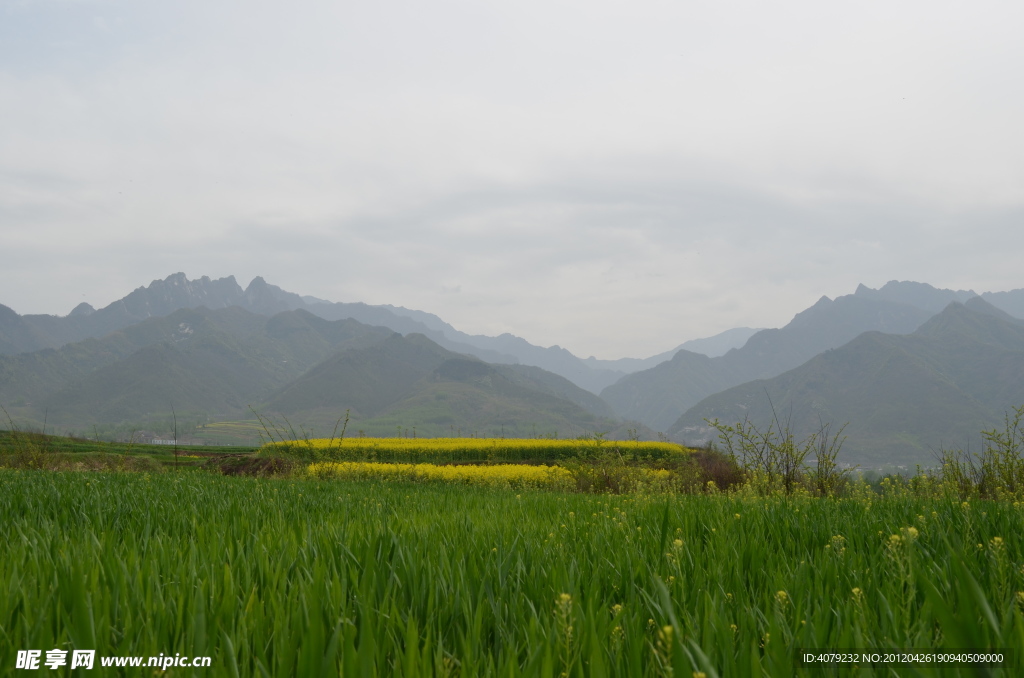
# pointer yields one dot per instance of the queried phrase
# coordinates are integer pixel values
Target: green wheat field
(293, 576)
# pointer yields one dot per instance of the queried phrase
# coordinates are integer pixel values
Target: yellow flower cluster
(499, 475)
(434, 450)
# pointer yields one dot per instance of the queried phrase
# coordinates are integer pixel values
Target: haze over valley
(909, 367)
(578, 217)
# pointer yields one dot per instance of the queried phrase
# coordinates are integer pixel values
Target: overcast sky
(612, 177)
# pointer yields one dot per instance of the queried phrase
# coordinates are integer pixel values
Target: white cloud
(612, 178)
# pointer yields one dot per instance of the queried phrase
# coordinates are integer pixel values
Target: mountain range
(904, 397)
(657, 396)
(19, 334)
(211, 350)
(216, 364)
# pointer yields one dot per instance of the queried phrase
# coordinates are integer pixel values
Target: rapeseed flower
(500, 475)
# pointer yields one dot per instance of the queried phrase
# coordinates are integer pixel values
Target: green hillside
(553, 384)
(905, 397)
(410, 383)
(659, 395)
(196, 361)
(212, 365)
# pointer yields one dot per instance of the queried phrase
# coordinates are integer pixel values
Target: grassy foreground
(306, 577)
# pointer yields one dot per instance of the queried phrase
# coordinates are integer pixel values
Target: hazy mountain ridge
(160, 298)
(712, 346)
(556, 385)
(659, 395)
(263, 345)
(656, 395)
(411, 381)
(20, 334)
(920, 295)
(218, 363)
(188, 349)
(904, 397)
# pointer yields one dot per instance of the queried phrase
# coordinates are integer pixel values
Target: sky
(611, 177)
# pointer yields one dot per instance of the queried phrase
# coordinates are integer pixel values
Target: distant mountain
(721, 343)
(917, 294)
(17, 335)
(713, 346)
(506, 348)
(216, 363)
(934, 300)
(20, 334)
(904, 397)
(194, 360)
(1011, 302)
(411, 382)
(659, 395)
(558, 386)
(161, 298)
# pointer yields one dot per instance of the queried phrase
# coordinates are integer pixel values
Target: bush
(997, 472)
(774, 461)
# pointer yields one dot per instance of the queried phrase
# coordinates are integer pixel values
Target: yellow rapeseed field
(447, 450)
(499, 475)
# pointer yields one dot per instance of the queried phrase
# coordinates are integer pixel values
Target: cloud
(614, 179)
